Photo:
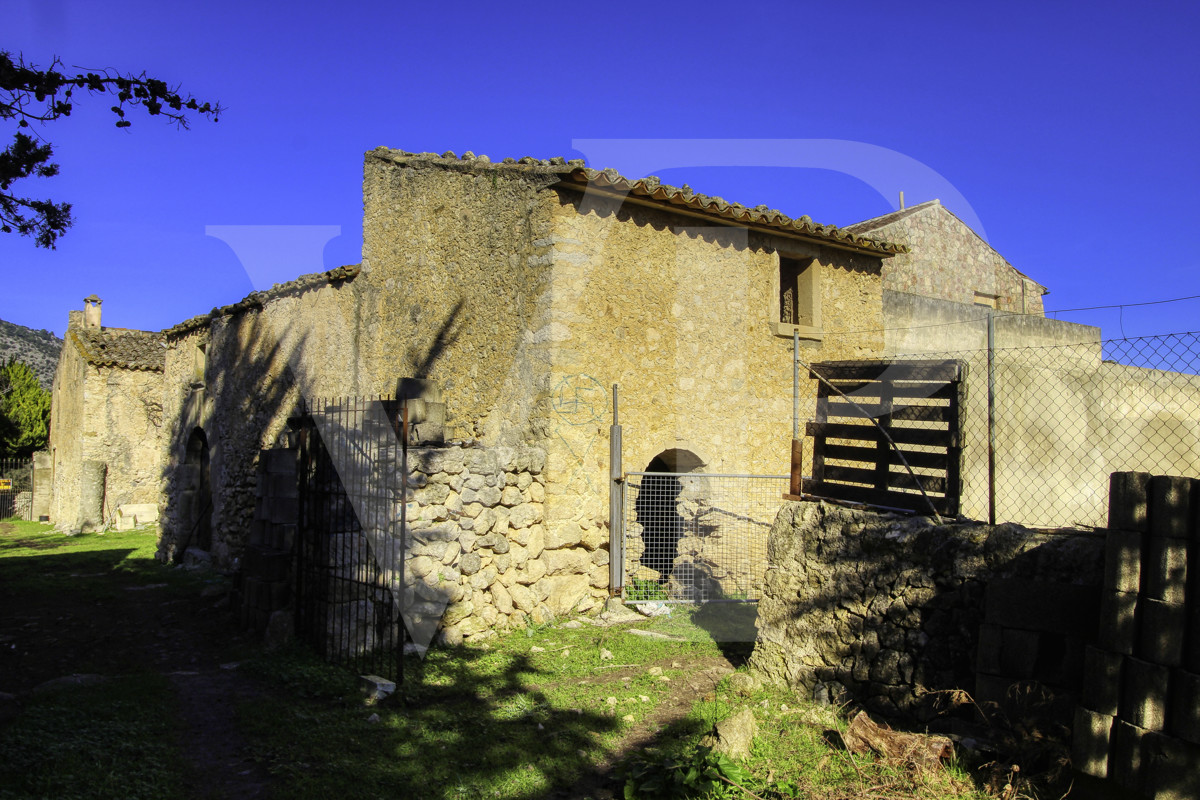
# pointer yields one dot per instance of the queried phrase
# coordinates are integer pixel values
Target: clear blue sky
(1069, 131)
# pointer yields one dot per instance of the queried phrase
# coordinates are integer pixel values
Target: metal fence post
(991, 412)
(616, 506)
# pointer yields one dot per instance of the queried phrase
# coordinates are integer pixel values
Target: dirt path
(111, 625)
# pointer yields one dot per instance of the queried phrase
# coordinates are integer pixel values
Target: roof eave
(737, 216)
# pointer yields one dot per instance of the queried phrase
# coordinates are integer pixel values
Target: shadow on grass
(466, 723)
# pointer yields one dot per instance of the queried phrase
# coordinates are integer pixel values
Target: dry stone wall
(888, 610)
(478, 539)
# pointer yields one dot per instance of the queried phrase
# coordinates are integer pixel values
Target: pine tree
(24, 411)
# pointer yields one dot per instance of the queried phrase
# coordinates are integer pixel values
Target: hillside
(38, 349)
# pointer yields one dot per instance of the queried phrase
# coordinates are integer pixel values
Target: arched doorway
(196, 497)
(656, 510)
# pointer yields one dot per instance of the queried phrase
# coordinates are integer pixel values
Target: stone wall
(478, 555)
(237, 377)
(67, 425)
(949, 261)
(891, 611)
(479, 540)
(684, 317)
(109, 418)
(1139, 722)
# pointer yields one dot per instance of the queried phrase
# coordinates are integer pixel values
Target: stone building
(521, 292)
(105, 423)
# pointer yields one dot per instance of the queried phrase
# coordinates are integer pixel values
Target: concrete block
(1019, 653)
(283, 510)
(1170, 768)
(1118, 622)
(1191, 642)
(1128, 501)
(1101, 680)
(278, 461)
(283, 537)
(282, 486)
(268, 564)
(1144, 694)
(375, 687)
(1042, 606)
(1125, 760)
(1123, 561)
(991, 643)
(1184, 718)
(1091, 742)
(1160, 632)
(1170, 504)
(1164, 569)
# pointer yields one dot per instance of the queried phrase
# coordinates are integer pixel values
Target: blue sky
(1069, 132)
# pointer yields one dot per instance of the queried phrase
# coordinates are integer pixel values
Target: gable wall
(948, 261)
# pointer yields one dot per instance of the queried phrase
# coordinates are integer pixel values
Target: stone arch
(656, 511)
(196, 498)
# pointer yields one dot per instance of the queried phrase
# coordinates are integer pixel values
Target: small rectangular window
(797, 292)
(987, 300)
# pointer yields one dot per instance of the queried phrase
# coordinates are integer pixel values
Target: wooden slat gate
(918, 403)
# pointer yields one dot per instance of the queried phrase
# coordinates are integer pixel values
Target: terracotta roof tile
(119, 347)
(651, 188)
(258, 299)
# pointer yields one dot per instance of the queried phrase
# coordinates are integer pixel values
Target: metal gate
(350, 473)
(697, 537)
(16, 488)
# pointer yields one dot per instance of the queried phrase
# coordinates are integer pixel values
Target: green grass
(114, 740)
(523, 717)
(40, 560)
(528, 714)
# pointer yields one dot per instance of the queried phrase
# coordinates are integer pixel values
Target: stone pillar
(91, 495)
(43, 489)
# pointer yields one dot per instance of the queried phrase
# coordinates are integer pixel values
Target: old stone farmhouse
(523, 291)
(105, 448)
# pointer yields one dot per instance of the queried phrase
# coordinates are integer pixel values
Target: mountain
(38, 349)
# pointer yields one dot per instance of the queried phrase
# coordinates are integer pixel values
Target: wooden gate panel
(918, 404)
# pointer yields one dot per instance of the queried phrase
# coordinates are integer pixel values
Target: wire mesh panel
(346, 604)
(696, 537)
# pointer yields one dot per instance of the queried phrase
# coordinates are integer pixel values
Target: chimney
(91, 312)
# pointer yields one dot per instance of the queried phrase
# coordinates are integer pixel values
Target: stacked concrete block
(1043, 629)
(266, 576)
(1138, 723)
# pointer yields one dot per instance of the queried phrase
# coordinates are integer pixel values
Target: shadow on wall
(239, 387)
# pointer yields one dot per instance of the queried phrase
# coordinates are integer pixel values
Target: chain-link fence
(698, 537)
(1059, 419)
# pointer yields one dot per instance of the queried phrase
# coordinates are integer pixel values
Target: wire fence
(1059, 419)
(697, 537)
(16, 488)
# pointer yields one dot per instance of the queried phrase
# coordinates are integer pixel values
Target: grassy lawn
(115, 738)
(533, 713)
(536, 713)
